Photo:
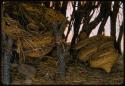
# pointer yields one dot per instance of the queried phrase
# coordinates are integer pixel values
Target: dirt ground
(80, 74)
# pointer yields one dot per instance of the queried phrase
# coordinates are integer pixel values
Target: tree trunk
(77, 23)
(87, 15)
(101, 28)
(64, 7)
(57, 5)
(6, 57)
(60, 54)
(120, 38)
(113, 20)
(98, 19)
(47, 3)
(82, 12)
(71, 21)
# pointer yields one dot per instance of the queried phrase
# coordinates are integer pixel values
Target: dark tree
(118, 45)
(113, 19)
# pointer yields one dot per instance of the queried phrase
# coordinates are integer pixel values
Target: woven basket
(101, 53)
(105, 62)
(91, 46)
(36, 38)
(38, 41)
(13, 29)
(53, 16)
(92, 40)
(38, 52)
(106, 44)
(85, 53)
(38, 46)
(49, 16)
(82, 36)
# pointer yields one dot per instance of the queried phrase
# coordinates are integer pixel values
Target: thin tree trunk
(57, 5)
(71, 21)
(78, 16)
(107, 10)
(113, 20)
(64, 7)
(120, 38)
(47, 3)
(6, 57)
(87, 16)
(60, 54)
(98, 19)
(77, 23)
(101, 28)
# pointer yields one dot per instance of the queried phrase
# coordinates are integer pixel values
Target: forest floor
(80, 74)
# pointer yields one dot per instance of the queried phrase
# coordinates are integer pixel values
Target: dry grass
(76, 74)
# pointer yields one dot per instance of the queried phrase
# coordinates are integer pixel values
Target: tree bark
(64, 7)
(87, 16)
(60, 54)
(101, 28)
(98, 19)
(113, 20)
(78, 15)
(120, 38)
(77, 23)
(71, 21)
(47, 3)
(6, 57)
(57, 5)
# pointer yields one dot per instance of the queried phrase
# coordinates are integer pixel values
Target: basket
(35, 53)
(82, 36)
(105, 62)
(38, 41)
(92, 40)
(85, 53)
(13, 29)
